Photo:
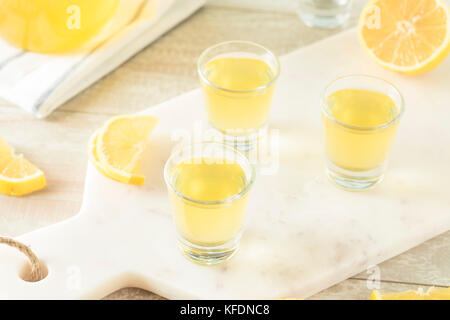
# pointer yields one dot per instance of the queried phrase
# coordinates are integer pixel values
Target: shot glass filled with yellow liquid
(238, 80)
(360, 116)
(208, 185)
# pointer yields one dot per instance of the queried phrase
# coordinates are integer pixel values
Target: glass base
(209, 255)
(324, 13)
(324, 21)
(355, 180)
(243, 142)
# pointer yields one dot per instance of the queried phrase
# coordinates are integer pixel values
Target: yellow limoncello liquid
(208, 179)
(364, 141)
(50, 26)
(234, 102)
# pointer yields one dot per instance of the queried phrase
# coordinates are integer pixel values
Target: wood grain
(164, 70)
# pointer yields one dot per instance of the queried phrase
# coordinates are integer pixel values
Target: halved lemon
(120, 145)
(18, 176)
(410, 37)
(431, 294)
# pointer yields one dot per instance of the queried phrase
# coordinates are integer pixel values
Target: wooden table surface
(164, 70)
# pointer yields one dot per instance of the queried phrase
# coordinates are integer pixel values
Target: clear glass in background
(324, 13)
(208, 186)
(360, 116)
(238, 80)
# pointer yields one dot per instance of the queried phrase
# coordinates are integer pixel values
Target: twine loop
(37, 273)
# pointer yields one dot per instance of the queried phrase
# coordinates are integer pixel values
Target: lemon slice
(18, 176)
(93, 157)
(92, 151)
(120, 145)
(431, 294)
(410, 37)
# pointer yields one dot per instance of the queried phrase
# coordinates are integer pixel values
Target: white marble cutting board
(303, 234)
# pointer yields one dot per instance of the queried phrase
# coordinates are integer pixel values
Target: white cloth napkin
(41, 83)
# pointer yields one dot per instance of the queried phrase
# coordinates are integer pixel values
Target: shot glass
(324, 13)
(360, 116)
(238, 80)
(208, 186)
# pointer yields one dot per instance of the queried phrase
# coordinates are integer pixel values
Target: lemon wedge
(431, 294)
(18, 176)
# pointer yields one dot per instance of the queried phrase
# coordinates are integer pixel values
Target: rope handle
(36, 269)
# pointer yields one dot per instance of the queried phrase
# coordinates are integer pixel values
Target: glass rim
(399, 115)
(240, 194)
(212, 84)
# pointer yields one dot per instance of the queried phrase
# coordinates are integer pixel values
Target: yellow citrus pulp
(116, 148)
(410, 37)
(431, 294)
(18, 176)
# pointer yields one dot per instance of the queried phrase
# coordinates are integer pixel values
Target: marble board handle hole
(26, 274)
(34, 270)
